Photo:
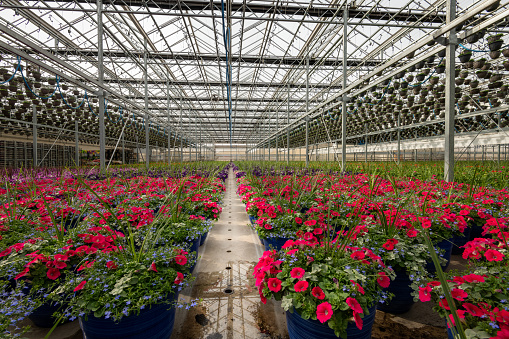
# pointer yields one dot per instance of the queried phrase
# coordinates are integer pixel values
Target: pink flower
(297, 273)
(493, 255)
(354, 305)
(383, 279)
(317, 292)
(153, 267)
(459, 294)
(358, 320)
(301, 286)
(324, 312)
(179, 278)
(53, 273)
(111, 265)
(274, 284)
(424, 293)
(181, 259)
(80, 286)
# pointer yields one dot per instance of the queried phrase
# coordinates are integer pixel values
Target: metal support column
(180, 136)
(450, 62)
(137, 150)
(168, 127)
(34, 136)
(288, 128)
(123, 147)
(76, 144)
(147, 118)
(399, 138)
(307, 107)
(365, 143)
(100, 71)
(343, 112)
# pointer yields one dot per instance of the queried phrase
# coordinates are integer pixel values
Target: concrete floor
(230, 307)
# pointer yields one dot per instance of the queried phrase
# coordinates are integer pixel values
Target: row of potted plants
(347, 233)
(112, 252)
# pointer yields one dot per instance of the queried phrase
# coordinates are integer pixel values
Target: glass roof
(270, 43)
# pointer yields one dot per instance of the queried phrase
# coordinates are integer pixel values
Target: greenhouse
(254, 169)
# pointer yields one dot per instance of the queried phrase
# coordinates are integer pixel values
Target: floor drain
(229, 239)
(229, 229)
(228, 268)
(228, 251)
(228, 290)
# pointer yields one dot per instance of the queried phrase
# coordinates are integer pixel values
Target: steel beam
(100, 71)
(450, 109)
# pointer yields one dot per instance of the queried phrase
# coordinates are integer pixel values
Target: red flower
(317, 292)
(111, 265)
(459, 294)
(80, 286)
(274, 284)
(502, 334)
(358, 320)
(53, 273)
(22, 273)
(354, 305)
(153, 267)
(324, 312)
(298, 220)
(318, 231)
(358, 255)
(179, 278)
(424, 293)
(493, 255)
(473, 278)
(411, 233)
(301, 286)
(297, 273)
(359, 287)
(310, 222)
(473, 310)
(383, 279)
(389, 244)
(181, 259)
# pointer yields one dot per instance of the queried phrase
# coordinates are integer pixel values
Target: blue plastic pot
(203, 237)
(459, 241)
(299, 328)
(252, 219)
(195, 244)
(446, 245)
(155, 322)
(402, 300)
(42, 316)
(274, 243)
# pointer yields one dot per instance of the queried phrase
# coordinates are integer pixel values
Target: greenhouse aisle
(230, 307)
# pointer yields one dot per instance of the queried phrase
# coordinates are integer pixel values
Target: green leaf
(287, 303)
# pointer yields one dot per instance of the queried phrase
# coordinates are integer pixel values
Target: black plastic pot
(495, 45)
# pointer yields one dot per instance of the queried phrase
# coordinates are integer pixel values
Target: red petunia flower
(493, 255)
(358, 255)
(298, 220)
(274, 284)
(324, 312)
(317, 292)
(179, 278)
(354, 305)
(181, 259)
(358, 320)
(383, 279)
(424, 293)
(111, 265)
(389, 244)
(297, 273)
(459, 294)
(80, 286)
(153, 267)
(301, 286)
(53, 273)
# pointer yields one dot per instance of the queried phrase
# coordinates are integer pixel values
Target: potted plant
(478, 64)
(327, 288)
(465, 56)
(440, 68)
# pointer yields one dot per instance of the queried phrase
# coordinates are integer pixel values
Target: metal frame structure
(164, 61)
